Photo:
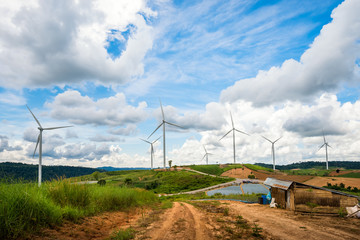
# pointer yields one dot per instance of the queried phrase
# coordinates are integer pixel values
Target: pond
(248, 189)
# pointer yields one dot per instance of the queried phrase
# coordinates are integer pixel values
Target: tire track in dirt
(283, 224)
(182, 221)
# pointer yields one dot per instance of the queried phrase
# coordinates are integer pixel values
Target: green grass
(162, 181)
(25, 208)
(214, 169)
(123, 234)
(351, 175)
(257, 167)
(183, 181)
(311, 172)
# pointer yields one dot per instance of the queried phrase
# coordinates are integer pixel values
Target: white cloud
(53, 42)
(112, 111)
(299, 125)
(105, 138)
(329, 62)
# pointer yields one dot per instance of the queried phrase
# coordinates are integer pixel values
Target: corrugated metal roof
(282, 184)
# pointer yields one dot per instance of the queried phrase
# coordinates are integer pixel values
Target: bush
(251, 176)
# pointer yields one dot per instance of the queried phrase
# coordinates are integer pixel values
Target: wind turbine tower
(151, 149)
(163, 123)
(233, 131)
(39, 142)
(206, 155)
(326, 144)
(272, 149)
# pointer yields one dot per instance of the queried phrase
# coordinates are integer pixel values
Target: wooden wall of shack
(304, 198)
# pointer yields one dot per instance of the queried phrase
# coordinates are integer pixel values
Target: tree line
(313, 164)
(28, 172)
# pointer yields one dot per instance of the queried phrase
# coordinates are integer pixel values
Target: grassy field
(25, 208)
(161, 181)
(257, 167)
(311, 172)
(351, 175)
(214, 169)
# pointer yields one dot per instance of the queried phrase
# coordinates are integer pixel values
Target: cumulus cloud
(4, 145)
(105, 138)
(330, 61)
(125, 131)
(112, 111)
(88, 151)
(45, 43)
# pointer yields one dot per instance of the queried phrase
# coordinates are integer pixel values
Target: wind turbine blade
(34, 117)
(145, 140)
(174, 124)
(232, 122)
(203, 157)
(328, 145)
(204, 148)
(324, 136)
(52, 128)
(241, 132)
(267, 139)
(277, 139)
(225, 134)
(156, 140)
(37, 143)
(321, 146)
(162, 111)
(156, 129)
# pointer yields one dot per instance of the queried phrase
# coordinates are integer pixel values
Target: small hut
(301, 197)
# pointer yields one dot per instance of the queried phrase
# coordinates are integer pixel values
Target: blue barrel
(265, 201)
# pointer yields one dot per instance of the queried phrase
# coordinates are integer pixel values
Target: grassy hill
(158, 181)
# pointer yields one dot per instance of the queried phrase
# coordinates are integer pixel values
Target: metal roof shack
(306, 198)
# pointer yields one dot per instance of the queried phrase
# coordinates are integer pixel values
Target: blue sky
(283, 68)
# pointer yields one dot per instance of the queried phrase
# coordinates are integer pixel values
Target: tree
(96, 175)
(170, 162)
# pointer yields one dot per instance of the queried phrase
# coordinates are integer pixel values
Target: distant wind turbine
(163, 123)
(206, 155)
(233, 130)
(326, 144)
(39, 140)
(151, 149)
(272, 149)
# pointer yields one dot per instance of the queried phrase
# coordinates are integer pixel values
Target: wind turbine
(326, 146)
(272, 149)
(163, 123)
(39, 140)
(206, 155)
(152, 149)
(233, 130)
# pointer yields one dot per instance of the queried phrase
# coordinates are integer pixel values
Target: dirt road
(182, 221)
(210, 220)
(283, 224)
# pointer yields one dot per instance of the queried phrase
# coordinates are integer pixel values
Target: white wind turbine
(206, 155)
(272, 149)
(39, 140)
(151, 149)
(163, 123)
(233, 130)
(326, 144)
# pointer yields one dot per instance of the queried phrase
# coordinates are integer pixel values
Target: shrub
(101, 182)
(251, 176)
